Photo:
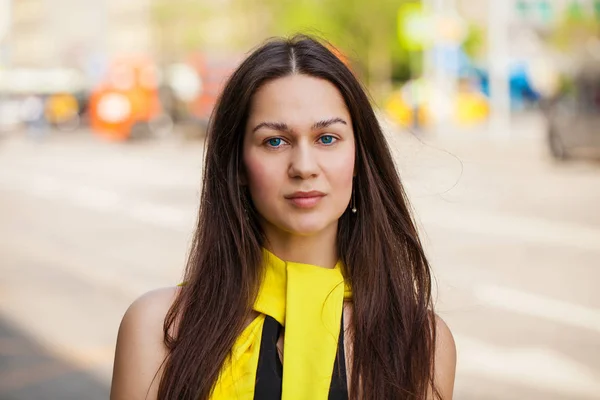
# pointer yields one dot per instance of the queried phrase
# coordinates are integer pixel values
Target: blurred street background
(492, 110)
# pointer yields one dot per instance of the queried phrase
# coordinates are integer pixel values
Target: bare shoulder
(151, 307)
(140, 346)
(445, 359)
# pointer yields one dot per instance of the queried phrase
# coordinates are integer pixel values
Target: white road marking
(534, 367)
(45, 187)
(539, 306)
(521, 228)
(101, 200)
(529, 229)
(94, 198)
(537, 368)
(164, 216)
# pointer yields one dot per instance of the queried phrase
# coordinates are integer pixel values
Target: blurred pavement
(513, 237)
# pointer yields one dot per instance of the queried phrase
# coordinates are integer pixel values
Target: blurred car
(41, 98)
(573, 116)
(62, 111)
(212, 70)
(411, 106)
(522, 93)
(126, 104)
(10, 119)
(408, 106)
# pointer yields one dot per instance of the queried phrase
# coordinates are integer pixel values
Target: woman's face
(299, 154)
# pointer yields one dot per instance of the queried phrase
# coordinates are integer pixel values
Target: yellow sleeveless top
(307, 300)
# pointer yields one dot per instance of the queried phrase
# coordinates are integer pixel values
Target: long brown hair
(392, 325)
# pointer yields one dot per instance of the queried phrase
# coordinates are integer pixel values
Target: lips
(305, 199)
(304, 195)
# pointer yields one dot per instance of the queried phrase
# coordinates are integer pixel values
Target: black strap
(339, 388)
(269, 373)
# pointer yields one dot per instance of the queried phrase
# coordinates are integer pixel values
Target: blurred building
(533, 13)
(5, 6)
(28, 44)
(55, 33)
(87, 33)
(75, 33)
(529, 26)
(128, 27)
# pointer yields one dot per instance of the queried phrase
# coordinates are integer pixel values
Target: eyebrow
(283, 127)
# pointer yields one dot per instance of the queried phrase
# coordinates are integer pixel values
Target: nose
(303, 162)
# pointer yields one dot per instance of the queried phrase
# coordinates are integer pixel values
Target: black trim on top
(338, 390)
(269, 372)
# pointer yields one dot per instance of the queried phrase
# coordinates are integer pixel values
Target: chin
(305, 230)
(305, 223)
(307, 226)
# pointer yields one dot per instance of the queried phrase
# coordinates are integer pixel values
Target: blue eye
(274, 142)
(327, 139)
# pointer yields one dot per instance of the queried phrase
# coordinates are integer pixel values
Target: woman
(306, 278)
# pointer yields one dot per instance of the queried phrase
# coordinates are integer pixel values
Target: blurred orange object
(405, 115)
(408, 106)
(126, 99)
(213, 72)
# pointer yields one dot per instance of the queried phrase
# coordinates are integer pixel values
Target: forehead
(297, 99)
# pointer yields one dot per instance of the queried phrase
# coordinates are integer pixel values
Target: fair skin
(298, 137)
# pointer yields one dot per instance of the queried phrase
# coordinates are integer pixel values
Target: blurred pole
(428, 59)
(5, 22)
(432, 70)
(5, 14)
(498, 56)
(440, 67)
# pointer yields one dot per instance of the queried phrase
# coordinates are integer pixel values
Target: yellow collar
(307, 300)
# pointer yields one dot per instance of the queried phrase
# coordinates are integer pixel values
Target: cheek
(340, 172)
(263, 181)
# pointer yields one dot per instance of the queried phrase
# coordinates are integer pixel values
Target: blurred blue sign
(537, 10)
(451, 58)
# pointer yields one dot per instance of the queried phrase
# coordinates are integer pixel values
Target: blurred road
(514, 239)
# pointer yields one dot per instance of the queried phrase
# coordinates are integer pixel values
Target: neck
(318, 249)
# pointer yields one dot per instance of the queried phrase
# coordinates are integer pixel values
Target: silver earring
(354, 210)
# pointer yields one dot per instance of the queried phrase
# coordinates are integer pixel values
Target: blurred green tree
(574, 29)
(175, 25)
(365, 31)
(475, 41)
(575, 11)
(184, 26)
